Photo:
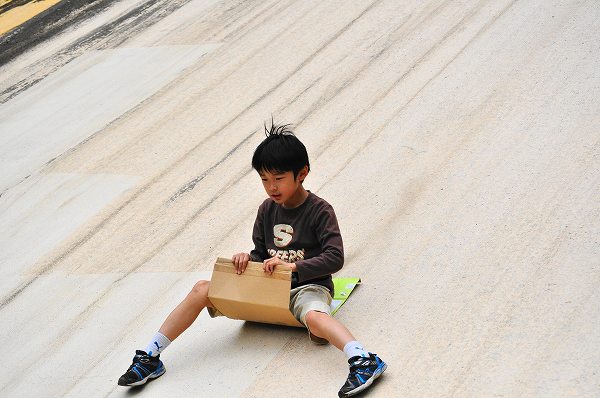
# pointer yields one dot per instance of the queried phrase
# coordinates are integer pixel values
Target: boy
(294, 229)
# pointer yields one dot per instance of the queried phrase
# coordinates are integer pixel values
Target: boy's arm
(331, 259)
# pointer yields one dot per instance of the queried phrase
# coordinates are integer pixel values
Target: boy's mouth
(276, 197)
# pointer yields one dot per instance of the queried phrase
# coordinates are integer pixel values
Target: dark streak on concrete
(47, 24)
(191, 184)
(69, 13)
(377, 132)
(347, 82)
(13, 4)
(254, 21)
(381, 96)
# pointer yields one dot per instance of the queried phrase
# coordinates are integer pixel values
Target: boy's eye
(279, 178)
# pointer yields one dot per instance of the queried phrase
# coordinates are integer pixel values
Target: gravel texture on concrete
(458, 141)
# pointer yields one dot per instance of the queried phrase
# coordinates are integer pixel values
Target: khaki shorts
(302, 300)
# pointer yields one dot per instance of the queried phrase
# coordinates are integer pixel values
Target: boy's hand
(240, 262)
(270, 264)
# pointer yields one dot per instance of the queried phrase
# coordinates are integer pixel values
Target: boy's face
(283, 188)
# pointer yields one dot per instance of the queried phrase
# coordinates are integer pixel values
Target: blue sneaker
(363, 372)
(143, 368)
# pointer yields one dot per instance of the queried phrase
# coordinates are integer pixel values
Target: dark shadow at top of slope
(46, 24)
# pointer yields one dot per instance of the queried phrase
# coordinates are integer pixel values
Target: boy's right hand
(240, 262)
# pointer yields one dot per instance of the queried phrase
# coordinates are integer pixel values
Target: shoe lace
(362, 366)
(137, 360)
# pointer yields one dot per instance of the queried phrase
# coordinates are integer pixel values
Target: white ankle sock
(158, 344)
(354, 348)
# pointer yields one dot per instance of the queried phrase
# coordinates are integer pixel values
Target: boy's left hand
(270, 265)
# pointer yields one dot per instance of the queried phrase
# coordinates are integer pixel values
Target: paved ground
(459, 142)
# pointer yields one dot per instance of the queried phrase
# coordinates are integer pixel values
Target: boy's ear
(302, 174)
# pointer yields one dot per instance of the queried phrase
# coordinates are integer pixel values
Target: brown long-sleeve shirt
(307, 235)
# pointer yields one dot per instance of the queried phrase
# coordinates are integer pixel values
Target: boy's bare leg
(147, 364)
(329, 328)
(364, 367)
(187, 311)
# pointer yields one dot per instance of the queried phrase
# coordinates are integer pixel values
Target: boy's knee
(314, 318)
(200, 290)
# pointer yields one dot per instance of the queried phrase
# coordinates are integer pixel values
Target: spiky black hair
(280, 152)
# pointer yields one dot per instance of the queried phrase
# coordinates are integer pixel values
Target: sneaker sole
(145, 379)
(357, 390)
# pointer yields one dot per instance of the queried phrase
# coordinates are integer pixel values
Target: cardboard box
(252, 296)
(260, 297)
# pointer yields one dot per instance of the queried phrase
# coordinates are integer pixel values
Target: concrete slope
(458, 141)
